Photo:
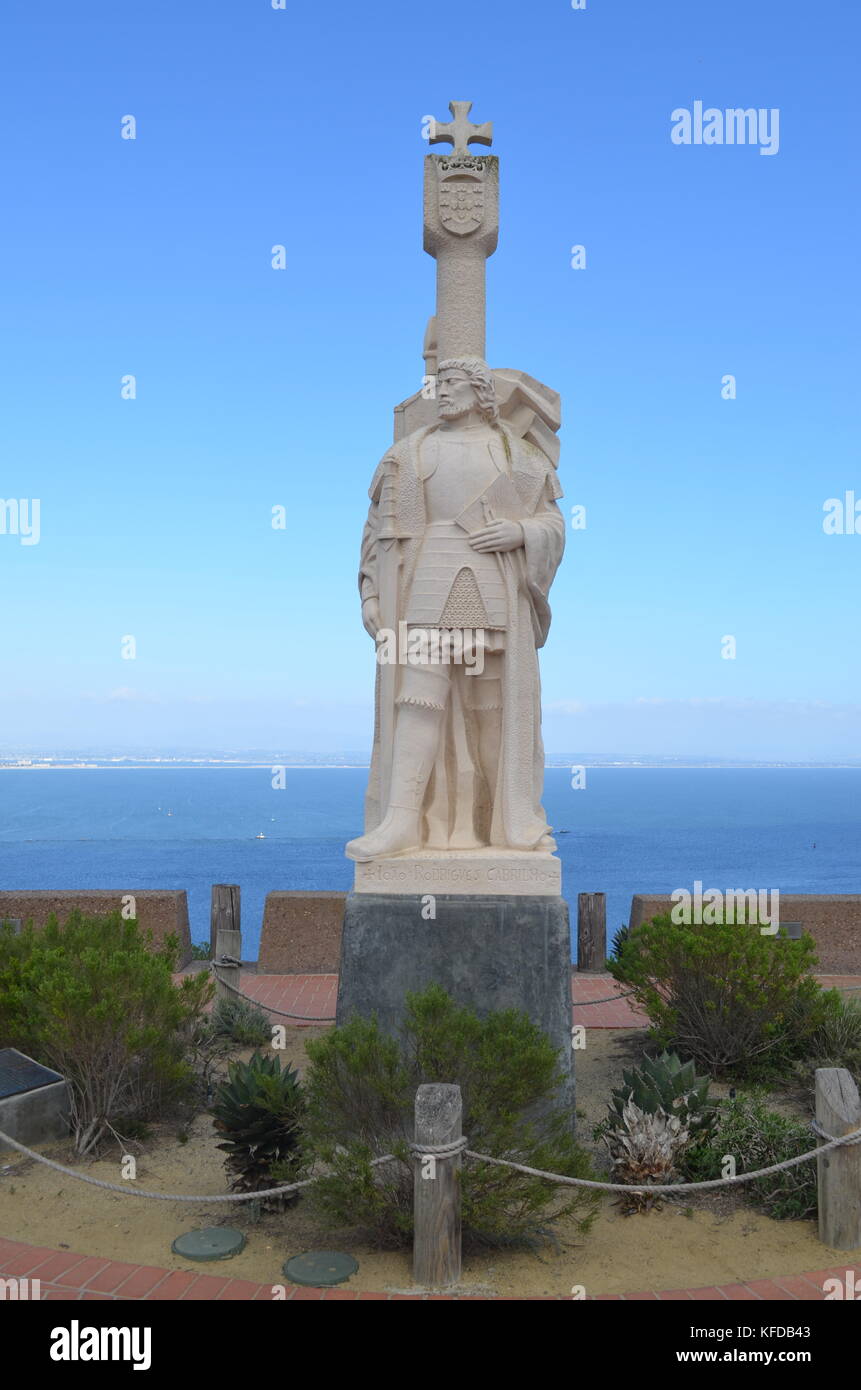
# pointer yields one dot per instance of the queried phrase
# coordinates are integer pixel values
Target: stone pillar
(461, 226)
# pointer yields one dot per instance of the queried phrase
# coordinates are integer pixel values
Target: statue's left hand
(498, 535)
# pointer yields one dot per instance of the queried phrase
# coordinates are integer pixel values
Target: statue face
(455, 395)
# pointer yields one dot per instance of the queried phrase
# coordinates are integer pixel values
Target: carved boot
(415, 747)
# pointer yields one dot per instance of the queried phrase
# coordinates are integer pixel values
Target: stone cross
(460, 132)
(461, 221)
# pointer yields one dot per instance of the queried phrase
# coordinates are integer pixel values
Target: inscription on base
(517, 874)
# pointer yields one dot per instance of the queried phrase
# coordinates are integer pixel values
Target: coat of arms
(461, 204)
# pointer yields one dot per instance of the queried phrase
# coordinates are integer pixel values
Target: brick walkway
(316, 995)
(68, 1277)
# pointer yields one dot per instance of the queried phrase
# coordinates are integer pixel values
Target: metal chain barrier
(610, 999)
(316, 1018)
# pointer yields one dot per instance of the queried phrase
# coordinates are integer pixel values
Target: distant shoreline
(364, 767)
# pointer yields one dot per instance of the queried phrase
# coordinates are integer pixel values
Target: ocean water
(629, 830)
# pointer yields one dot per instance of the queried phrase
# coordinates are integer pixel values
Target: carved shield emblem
(461, 204)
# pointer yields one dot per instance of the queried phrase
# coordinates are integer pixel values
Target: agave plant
(259, 1109)
(665, 1083)
(619, 939)
(645, 1147)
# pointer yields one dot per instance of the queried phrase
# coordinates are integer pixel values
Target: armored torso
(455, 586)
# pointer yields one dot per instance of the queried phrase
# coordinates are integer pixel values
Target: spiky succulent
(645, 1148)
(666, 1083)
(259, 1110)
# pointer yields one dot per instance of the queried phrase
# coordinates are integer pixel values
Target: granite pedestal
(489, 952)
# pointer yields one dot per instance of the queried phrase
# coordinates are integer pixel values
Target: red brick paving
(620, 1013)
(316, 995)
(742, 1293)
(205, 1287)
(139, 1284)
(110, 1278)
(88, 1278)
(173, 1287)
(80, 1276)
(766, 1288)
(803, 1286)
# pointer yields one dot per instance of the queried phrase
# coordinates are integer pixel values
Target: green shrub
(756, 1137)
(242, 1021)
(92, 999)
(833, 1036)
(259, 1108)
(201, 950)
(838, 1035)
(361, 1094)
(722, 994)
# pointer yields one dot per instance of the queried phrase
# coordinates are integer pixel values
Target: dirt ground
(710, 1241)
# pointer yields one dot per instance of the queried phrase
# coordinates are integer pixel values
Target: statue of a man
(461, 545)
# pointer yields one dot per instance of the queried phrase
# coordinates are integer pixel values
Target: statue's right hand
(371, 617)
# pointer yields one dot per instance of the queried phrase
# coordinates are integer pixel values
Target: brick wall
(832, 919)
(163, 911)
(301, 934)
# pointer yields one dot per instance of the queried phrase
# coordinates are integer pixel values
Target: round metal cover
(209, 1243)
(320, 1267)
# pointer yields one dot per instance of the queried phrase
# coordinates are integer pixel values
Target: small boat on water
(260, 836)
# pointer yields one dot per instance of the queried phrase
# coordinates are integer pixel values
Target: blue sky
(258, 387)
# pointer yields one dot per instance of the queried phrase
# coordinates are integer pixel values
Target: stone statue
(463, 539)
(472, 509)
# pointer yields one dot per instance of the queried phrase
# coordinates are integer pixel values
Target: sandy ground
(715, 1241)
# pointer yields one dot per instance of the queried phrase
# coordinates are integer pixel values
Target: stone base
(489, 952)
(484, 872)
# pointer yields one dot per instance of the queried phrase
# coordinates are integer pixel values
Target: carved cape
(456, 812)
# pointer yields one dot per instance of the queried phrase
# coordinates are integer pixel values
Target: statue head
(464, 384)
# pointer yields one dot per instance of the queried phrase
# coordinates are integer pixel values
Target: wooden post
(436, 1203)
(838, 1112)
(225, 937)
(591, 931)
